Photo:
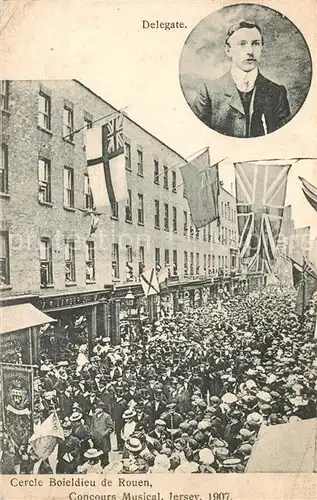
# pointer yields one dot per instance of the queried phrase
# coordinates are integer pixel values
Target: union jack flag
(260, 192)
(114, 134)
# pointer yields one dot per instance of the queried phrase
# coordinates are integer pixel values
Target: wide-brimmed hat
(231, 462)
(92, 453)
(129, 414)
(229, 398)
(133, 444)
(75, 416)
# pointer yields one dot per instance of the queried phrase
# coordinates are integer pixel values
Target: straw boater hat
(133, 444)
(92, 453)
(75, 416)
(128, 414)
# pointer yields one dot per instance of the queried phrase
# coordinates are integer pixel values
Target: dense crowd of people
(188, 395)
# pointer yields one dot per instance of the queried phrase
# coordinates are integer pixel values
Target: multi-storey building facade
(46, 248)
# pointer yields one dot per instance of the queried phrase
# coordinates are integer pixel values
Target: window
(68, 123)
(184, 192)
(88, 125)
(114, 210)
(157, 214)
(222, 209)
(213, 263)
(209, 263)
(70, 271)
(166, 257)
(175, 262)
(219, 262)
(185, 223)
(222, 262)
(4, 166)
(44, 168)
(141, 209)
(68, 187)
(90, 261)
(209, 233)
(127, 155)
(204, 233)
(205, 263)
(156, 172)
(5, 95)
(140, 162)
(226, 211)
(191, 228)
(175, 219)
(191, 269)
(165, 178)
(157, 258)
(128, 207)
(4, 258)
(197, 234)
(166, 217)
(174, 187)
(226, 236)
(185, 263)
(46, 264)
(141, 260)
(129, 266)
(89, 202)
(226, 262)
(115, 261)
(197, 263)
(44, 114)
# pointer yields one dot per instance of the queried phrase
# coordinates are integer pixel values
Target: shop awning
(20, 316)
(286, 448)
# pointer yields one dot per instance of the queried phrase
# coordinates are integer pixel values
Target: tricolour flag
(202, 188)
(106, 161)
(149, 282)
(307, 286)
(310, 192)
(260, 192)
(46, 436)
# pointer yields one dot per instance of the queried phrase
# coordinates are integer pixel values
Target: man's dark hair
(242, 24)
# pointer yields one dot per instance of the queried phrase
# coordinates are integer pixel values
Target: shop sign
(71, 300)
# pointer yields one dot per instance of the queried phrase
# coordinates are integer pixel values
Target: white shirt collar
(243, 80)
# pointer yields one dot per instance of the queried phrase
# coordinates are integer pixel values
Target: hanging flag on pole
(202, 188)
(149, 282)
(310, 192)
(260, 192)
(307, 286)
(106, 161)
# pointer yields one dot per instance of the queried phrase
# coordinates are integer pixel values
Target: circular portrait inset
(245, 70)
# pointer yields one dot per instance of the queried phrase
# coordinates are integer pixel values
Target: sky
(104, 45)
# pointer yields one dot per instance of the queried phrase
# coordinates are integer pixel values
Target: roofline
(227, 192)
(130, 119)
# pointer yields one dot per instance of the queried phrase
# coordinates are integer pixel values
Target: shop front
(79, 318)
(19, 333)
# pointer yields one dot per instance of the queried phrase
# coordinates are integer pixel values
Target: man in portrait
(243, 102)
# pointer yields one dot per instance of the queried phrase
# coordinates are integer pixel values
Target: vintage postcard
(158, 266)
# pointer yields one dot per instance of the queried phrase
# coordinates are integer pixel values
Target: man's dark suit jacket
(219, 106)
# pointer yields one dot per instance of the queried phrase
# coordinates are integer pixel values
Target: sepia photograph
(221, 70)
(158, 277)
